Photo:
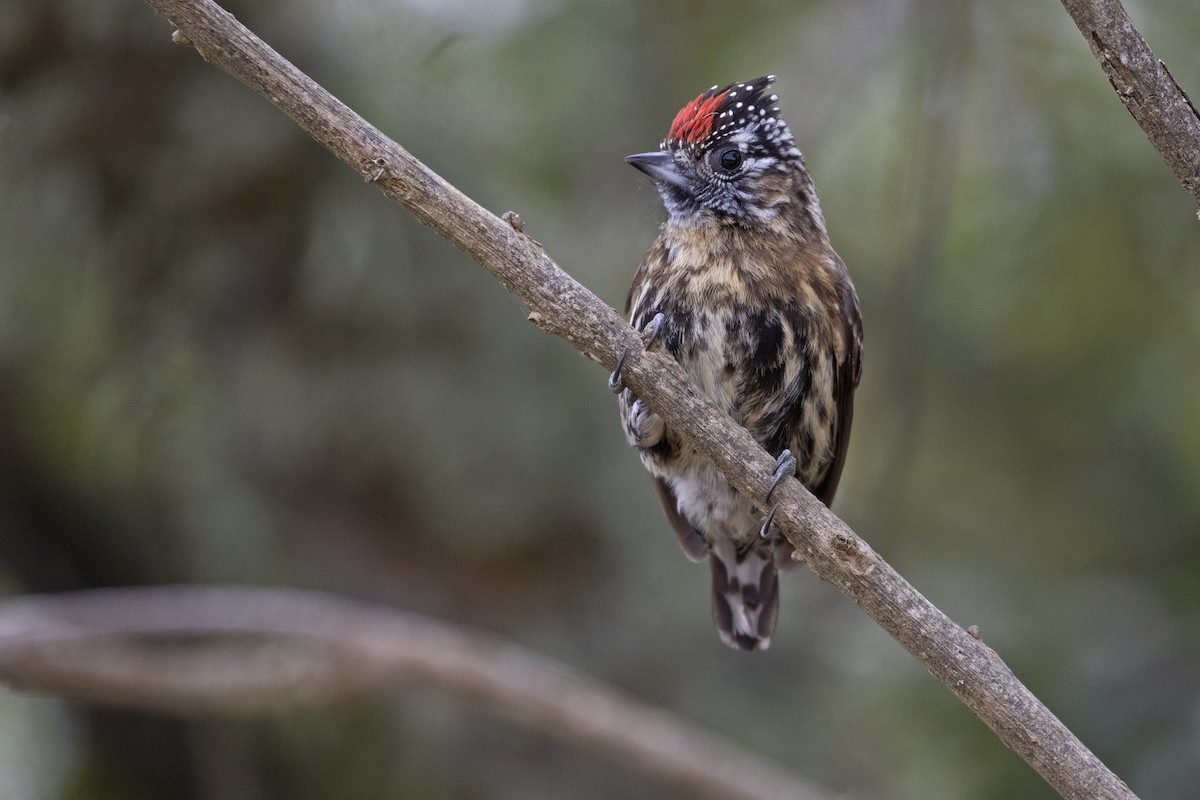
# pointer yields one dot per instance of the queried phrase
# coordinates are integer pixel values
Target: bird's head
(729, 155)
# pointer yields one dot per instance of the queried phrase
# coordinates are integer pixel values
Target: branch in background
(1144, 84)
(203, 651)
(560, 305)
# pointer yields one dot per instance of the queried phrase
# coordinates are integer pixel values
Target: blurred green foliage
(223, 357)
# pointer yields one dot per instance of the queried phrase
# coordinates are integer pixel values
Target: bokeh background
(224, 358)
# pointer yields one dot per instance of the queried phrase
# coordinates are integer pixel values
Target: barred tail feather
(745, 594)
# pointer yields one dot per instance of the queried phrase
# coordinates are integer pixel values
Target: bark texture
(1144, 84)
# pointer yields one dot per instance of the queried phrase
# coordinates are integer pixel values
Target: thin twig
(1144, 84)
(560, 305)
(224, 650)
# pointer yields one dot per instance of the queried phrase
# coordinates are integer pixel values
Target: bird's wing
(846, 377)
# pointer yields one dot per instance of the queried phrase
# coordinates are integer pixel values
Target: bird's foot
(785, 466)
(654, 330)
(645, 428)
(650, 335)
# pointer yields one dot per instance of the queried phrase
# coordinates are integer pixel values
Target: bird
(744, 290)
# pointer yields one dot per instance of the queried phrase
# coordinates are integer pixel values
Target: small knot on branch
(845, 545)
(375, 170)
(514, 219)
(849, 548)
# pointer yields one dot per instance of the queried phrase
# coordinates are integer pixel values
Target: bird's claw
(785, 465)
(614, 379)
(765, 530)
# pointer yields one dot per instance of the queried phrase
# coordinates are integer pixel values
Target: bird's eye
(730, 159)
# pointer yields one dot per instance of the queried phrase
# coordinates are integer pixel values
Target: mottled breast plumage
(766, 345)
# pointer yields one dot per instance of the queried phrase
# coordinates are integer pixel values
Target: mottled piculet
(760, 311)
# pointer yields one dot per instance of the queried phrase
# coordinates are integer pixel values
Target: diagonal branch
(1144, 84)
(224, 650)
(561, 306)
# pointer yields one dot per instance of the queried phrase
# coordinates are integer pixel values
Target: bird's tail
(745, 593)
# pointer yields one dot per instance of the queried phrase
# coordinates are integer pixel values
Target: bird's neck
(786, 210)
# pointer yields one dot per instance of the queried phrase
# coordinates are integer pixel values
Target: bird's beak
(659, 165)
